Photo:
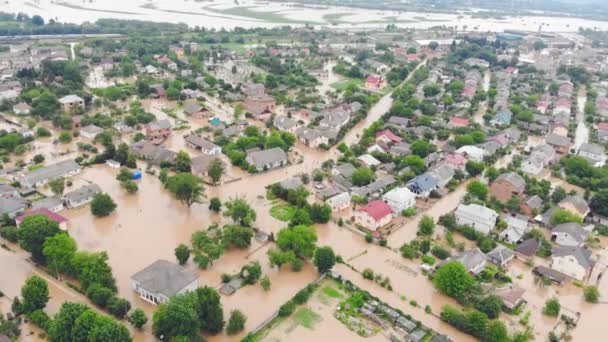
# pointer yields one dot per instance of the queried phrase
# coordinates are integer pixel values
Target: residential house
(162, 280)
(147, 150)
(423, 185)
(158, 131)
(90, 131)
(507, 186)
(570, 234)
(511, 295)
(575, 204)
(61, 221)
(198, 143)
(473, 260)
(471, 152)
(527, 249)
(22, 108)
(41, 176)
(575, 262)
(291, 183)
(399, 122)
(195, 110)
(401, 149)
(267, 159)
(345, 170)
(54, 204)
(456, 161)
(478, 217)
(285, 124)
(200, 164)
(339, 202)
(375, 82)
(517, 227)
(502, 118)
(531, 206)
(374, 215)
(71, 102)
(387, 137)
(12, 206)
(602, 131)
(82, 196)
(443, 173)
(7, 190)
(457, 122)
(368, 160)
(594, 153)
(560, 143)
(540, 158)
(500, 256)
(399, 199)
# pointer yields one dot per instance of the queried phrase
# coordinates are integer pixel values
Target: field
(343, 85)
(247, 12)
(282, 212)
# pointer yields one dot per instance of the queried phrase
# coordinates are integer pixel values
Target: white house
(480, 218)
(267, 159)
(161, 280)
(368, 160)
(82, 196)
(339, 201)
(575, 262)
(594, 153)
(473, 260)
(399, 199)
(471, 152)
(374, 215)
(570, 234)
(90, 131)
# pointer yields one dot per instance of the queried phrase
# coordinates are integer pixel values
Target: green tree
(215, 204)
(46, 105)
(57, 186)
(591, 294)
(178, 317)
(478, 190)
(59, 251)
(216, 169)
(183, 162)
(182, 253)
(362, 176)
(564, 216)
(35, 294)
(496, 331)
(453, 279)
(240, 212)
(138, 318)
(599, 203)
(491, 306)
(186, 188)
(552, 307)
(299, 239)
(236, 322)
(426, 226)
(265, 283)
(102, 205)
(324, 259)
(251, 272)
(63, 324)
(237, 236)
(558, 194)
(93, 268)
(422, 148)
(33, 232)
(492, 173)
(210, 310)
(474, 168)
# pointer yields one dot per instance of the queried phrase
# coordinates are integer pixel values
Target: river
(250, 13)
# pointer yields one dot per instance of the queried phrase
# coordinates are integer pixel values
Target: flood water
(226, 14)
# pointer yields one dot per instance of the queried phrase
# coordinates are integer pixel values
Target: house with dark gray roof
(82, 196)
(147, 150)
(423, 184)
(473, 260)
(163, 279)
(594, 154)
(570, 234)
(48, 173)
(12, 206)
(54, 204)
(500, 256)
(575, 204)
(198, 143)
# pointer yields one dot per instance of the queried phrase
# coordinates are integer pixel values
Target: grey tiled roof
(164, 277)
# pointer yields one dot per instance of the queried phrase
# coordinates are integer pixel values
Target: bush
(138, 318)
(552, 307)
(119, 307)
(40, 319)
(303, 295)
(287, 309)
(440, 253)
(236, 323)
(409, 212)
(368, 273)
(408, 251)
(427, 259)
(99, 294)
(9, 233)
(591, 293)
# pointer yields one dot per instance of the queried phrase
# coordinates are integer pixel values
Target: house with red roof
(512, 70)
(469, 92)
(601, 104)
(456, 121)
(456, 161)
(62, 221)
(163, 59)
(412, 57)
(375, 82)
(602, 131)
(387, 136)
(542, 106)
(374, 215)
(562, 106)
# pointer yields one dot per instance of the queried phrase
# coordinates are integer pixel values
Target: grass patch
(282, 212)
(247, 12)
(335, 17)
(344, 84)
(306, 318)
(331, 292)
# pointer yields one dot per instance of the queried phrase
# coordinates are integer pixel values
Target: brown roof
(529, 247)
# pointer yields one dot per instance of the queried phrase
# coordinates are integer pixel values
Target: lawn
(331, 292)
(306, 318)
(342, 85)
(282, 212)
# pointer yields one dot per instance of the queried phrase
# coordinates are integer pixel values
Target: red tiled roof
(374, 79)
(41, 211)
(377, 209)
(387, 133)
(603, 126)
(500, 138)
(412, 57)
(459, 122)
(456, 159)
(511, 70)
